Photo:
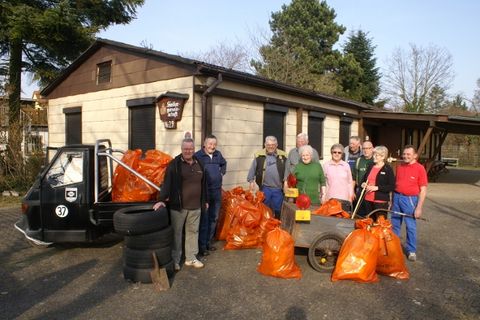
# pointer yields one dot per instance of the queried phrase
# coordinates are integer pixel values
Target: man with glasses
(267, 171)
(409, 196)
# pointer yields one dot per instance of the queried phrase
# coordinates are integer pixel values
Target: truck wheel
(323, 253)
(143, 275)
(143, 258)
(149, 241)
(140, 220)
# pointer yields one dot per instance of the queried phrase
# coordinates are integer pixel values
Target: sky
(189, 26)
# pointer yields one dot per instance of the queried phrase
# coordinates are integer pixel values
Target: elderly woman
(310, 177)
(339, 178)
(379, 182)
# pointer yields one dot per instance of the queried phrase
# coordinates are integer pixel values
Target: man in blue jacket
(215, 166)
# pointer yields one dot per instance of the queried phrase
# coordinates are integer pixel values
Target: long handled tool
(397, 213)
(159, 276)
(359, 201)
(407, 215)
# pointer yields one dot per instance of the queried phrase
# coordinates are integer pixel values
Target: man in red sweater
(409, 196)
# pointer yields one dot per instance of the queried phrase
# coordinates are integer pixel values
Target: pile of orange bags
(247, 220)
(129, 188)
(278, 259)
(332, 208)
(368, 250)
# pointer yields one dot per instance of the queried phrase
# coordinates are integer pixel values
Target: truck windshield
(67, 169)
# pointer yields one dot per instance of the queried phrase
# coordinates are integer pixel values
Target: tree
(300, 51)
(362, 84)
(228, 55)
(476, 98)
(411, 76)
(42, 36)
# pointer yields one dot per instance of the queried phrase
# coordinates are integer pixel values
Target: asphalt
(86, 282)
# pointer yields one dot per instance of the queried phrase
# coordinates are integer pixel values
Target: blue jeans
(273, 199)
(407, 205)
(208, 221)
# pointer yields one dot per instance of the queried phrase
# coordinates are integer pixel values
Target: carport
(425, 131)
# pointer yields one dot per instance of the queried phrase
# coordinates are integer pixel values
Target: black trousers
(370, 206)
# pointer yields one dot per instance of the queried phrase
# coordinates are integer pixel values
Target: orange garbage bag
(230, 201)
(332, 208)
(391, 261)
(363, 223)
(278, 258)
(357, 259)
(244, 229)
(154, 165)
(268, 221)
(129, 188)
(122, 175)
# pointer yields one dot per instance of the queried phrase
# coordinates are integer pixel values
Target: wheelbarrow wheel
(323, 253)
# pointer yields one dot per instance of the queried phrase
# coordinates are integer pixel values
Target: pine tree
(364, 87)
(300, 51)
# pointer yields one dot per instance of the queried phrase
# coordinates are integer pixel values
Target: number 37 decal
(61, 211)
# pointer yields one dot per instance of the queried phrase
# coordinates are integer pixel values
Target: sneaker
(177, 267)
(412, 256)
(194, 263)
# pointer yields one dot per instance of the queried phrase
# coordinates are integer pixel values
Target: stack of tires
(145, 231)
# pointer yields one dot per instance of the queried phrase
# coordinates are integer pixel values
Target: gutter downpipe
(204, 104)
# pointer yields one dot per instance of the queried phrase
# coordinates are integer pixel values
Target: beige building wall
(238, 126)
(105, 115)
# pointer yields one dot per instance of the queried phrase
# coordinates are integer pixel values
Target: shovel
(159, 276)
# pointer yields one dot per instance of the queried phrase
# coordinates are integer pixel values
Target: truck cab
(70, 200)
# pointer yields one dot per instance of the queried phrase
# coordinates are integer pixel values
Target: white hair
(271, 139)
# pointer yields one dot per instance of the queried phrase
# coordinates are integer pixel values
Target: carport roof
(452, 124)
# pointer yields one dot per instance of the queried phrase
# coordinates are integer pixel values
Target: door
(63, 192)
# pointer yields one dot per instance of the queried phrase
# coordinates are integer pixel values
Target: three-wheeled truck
(71, 199)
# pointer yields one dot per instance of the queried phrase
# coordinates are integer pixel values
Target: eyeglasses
(336, 152)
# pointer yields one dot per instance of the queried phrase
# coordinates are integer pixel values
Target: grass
(9, 202)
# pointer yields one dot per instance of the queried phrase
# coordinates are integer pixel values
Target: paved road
(86, 282)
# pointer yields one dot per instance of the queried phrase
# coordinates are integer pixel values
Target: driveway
(86, 282)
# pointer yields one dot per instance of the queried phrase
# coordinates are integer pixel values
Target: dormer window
(104, 72)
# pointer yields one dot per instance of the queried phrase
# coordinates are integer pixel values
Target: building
(113, 90)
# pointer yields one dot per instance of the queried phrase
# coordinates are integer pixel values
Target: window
(67, 169)
(73, 125)
(345, 124)
(141, 122)
(274, 123)
(104, 72)
(315, 131)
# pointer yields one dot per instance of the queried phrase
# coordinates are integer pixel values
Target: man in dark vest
(267, 171)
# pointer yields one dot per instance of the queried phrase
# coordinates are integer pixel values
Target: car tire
(143, 275)
(143, 259)
(151, 241)
(138, 220)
